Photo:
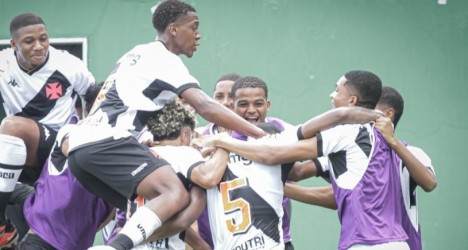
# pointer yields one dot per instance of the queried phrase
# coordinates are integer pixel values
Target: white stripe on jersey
(412, 210)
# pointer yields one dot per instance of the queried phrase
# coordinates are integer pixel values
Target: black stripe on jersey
(320, 172)
(264, 216)
(338, 161)
(412, 188)
(156, 87)
(187, 184)
(113, 105)
(57, 158)
(319, 145)
(39, 107)
(285, 169)
(185, 87)
(189, 172)
(363, 140)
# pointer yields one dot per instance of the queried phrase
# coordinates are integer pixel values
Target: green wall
(301, 48)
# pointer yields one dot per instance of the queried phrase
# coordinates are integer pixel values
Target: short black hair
(227, 77)
(249, 82)
(23, 20)
(269, 128)
(169, 11)
(90, 96)
(391, 98)
(167, 123)
(366, 85)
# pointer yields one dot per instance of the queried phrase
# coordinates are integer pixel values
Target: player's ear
(172, 28)
(390, 113)
(353, 101)
(13, 44)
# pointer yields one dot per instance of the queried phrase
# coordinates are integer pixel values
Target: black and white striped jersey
(46, 94)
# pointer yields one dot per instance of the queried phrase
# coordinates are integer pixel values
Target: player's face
(251, 103)
(31, 44)
(341, 97)
(186, 34)
(222, 93)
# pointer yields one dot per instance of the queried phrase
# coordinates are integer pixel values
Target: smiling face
(31, 44)
(186, 35)
(251, 104)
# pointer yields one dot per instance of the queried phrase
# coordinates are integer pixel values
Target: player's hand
(209, 141)
(386, 128)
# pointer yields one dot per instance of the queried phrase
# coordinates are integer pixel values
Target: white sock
(12, 160)
(141, 225)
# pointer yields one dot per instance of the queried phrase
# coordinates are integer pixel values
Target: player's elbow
(429, 187)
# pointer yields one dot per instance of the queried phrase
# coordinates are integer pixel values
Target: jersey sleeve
(182, 158)
(82, 79)
(334, 139)
(422, 157)
(323, 168)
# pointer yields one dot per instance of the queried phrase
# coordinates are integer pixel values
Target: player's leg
(15, 212)
(34, 140)
(13, 156)
(118, 170)
(166, 196)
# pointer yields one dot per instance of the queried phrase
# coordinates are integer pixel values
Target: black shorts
(46, 141)
(112, 169)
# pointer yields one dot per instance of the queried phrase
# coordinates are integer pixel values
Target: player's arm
(337, 116)
(264, 151)
(184, 218)
(209, 173)
(108, 219)
(420, 173)
(318, 196)
(302, 170)
(214, 112)
(194, 239)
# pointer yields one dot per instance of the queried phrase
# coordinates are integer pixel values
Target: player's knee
(16, 126)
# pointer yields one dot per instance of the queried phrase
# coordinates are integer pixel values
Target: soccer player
(105, 156)
(250, 97)
(39, 85)
(363, 168)
(245, 208)
(416, 168)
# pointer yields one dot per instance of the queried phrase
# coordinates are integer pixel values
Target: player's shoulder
(7, 56)
(63, 57)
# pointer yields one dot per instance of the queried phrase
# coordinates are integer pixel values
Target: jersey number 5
(233, 205)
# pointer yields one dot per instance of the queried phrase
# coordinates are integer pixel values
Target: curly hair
(169, 11)
(167, 123)
(23, 20)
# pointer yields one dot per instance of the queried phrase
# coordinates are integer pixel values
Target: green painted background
(300, 48)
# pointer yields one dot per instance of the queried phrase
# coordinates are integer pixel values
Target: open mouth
(253, 120)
